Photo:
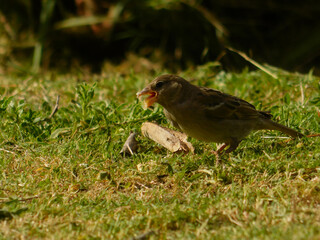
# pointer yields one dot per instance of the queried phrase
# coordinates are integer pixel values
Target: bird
(206, 114)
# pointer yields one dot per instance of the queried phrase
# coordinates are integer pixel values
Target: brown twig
(313, 135)
(21, 199)
(308, 136)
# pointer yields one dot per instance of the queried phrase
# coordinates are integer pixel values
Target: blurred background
(41, 35)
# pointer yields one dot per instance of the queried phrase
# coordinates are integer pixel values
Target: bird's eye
(159, 84)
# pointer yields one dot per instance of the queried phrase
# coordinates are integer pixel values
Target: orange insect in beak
(153, 96)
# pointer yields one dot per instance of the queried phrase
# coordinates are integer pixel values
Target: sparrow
(207, 114)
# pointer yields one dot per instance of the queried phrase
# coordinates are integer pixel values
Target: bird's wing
(218, 105)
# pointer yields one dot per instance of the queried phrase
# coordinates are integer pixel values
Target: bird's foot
(218, 153)
(221, 148)
(233, 145)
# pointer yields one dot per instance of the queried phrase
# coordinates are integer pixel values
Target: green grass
(63, 177)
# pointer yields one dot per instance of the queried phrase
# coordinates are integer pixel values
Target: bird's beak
(153, 96)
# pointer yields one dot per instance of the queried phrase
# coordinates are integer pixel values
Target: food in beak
(151, 99)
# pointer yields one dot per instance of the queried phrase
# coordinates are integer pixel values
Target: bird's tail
(271, 125)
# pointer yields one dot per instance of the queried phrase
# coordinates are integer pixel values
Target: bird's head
(163, 90)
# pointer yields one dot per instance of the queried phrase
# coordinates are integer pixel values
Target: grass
(63, 178)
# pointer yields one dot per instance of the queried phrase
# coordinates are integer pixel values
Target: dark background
(285, 34)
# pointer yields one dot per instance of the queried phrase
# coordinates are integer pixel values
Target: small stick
(5, 200)
(302, 94)
(145, 235)
(308, 136)
(56, 107)
(258, 65)
(7, 151)
(314, 135)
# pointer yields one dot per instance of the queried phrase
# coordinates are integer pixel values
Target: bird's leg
(221, 148)
(218, 153)
(233, 145)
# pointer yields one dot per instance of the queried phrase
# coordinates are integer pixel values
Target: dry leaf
(130, 146)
